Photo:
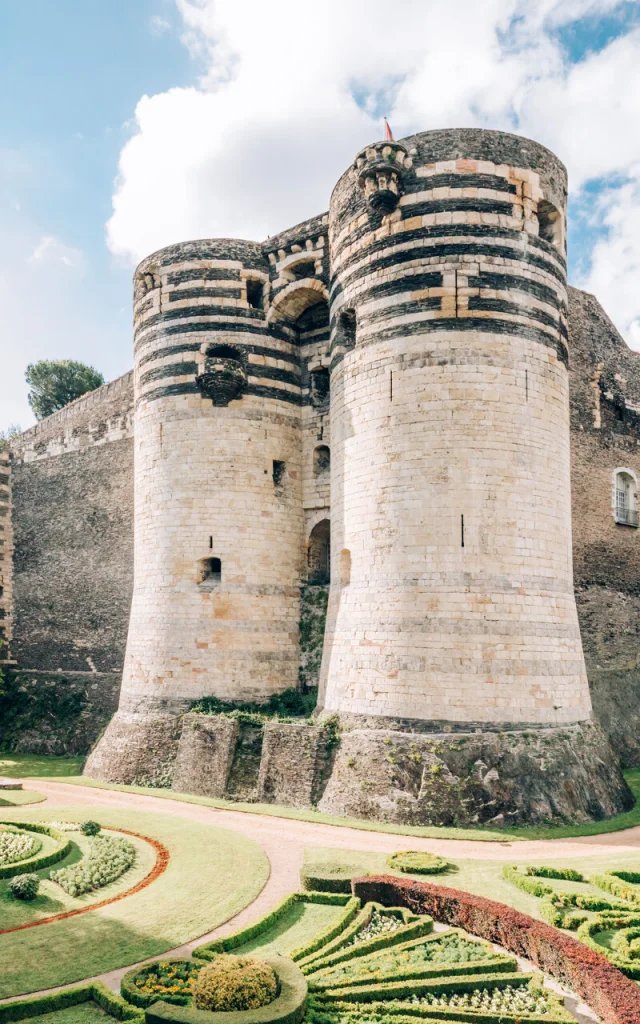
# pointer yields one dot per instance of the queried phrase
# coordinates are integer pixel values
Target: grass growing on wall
(212, 874)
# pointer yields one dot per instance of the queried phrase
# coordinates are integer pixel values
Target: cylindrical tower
(218, 511)
(452, 589)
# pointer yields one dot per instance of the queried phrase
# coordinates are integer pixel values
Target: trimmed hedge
(39, 860)
(315, 882)
(525, 882)
(613, 882)
(568, 874)
(413, 930)
(252, 931)
(416, 862)
(605, 989)
(288, 1008)
(130, 991)
(466, 982)
(350, 910)
(406, 1013)
(495, 963)
(628, 966)
(96, 991)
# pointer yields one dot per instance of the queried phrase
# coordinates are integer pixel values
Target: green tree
(55, 383)
(7, 435)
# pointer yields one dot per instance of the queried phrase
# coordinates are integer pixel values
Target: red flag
(388, 134)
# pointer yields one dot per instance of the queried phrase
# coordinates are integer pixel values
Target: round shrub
(417, 863)
(89, 828)
(24, 887)
(234, 983)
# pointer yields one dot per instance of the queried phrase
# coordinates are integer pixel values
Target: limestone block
(205, 755)
(292, 760)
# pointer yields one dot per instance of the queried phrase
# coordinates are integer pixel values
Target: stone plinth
(205, 755)
(10, 784)
(293, 757)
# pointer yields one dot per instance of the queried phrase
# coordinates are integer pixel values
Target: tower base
(515, 777)
(380, 771)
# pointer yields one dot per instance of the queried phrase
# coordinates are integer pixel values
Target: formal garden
(106, 904)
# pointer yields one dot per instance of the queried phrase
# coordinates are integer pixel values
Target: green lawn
(299, 925)
(26, 766)
(212, 875)
(52, 899)
(84, 1013)
(481, 877)
(19, 797)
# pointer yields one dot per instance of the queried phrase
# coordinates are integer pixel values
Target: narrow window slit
(461, 531)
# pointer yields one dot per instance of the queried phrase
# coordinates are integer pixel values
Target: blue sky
(129, 124)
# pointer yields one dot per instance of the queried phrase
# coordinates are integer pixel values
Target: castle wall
(605, 436)
(451, 586)
(6, 558)
(73, 535)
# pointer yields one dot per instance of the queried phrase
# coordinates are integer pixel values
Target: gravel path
(284, 841)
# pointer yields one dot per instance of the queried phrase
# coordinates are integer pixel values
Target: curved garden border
(604, 988)
(162, 861)
(39, 860)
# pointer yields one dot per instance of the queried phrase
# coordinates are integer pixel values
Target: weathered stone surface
(55, 713)
(469, 778)
(293, 760)
(136, 749)
(205, 754)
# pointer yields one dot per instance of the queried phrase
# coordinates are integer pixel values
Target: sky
(126, 125)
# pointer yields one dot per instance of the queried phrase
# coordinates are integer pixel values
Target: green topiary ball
(234, 983)
(24, 887)
(417, 863)
(90, 828)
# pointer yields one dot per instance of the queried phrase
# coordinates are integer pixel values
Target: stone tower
(218, 512)
(452, 589)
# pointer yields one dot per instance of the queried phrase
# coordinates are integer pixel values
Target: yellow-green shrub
(234, 983)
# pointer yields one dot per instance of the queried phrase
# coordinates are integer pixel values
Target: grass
(481, 877)
(300, 925)
(20, 797)
(52, 899)
(212, 875)
(26, 766)
(84, 1013)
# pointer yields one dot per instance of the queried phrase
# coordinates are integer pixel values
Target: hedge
(96, 991)
(39, 860)
(406, 1013)
(493, 963)
(349, 912)
(288, 1008)
(602, 986)
(526, 882)
(568, 874)
(231, 942)
(310, 880)
(630, 967)
(467, 982)
(130, 991)
(416, 862)
(612, 882)
(413, 930)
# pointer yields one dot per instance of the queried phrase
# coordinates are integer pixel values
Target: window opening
(549, 224)
(461, 531)
(319, 386)
(321, 460)
(319, 553)
(255, 293)
(626, 500)
(278, 472)
(305, 268)
(209, 570)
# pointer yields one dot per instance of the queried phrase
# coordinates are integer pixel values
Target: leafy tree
(6, 435)
(55, 383)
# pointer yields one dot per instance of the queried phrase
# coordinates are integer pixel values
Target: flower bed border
(95, 991)
(160, 866)
(39, 860)
(602, 986)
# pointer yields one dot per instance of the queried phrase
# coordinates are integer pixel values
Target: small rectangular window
(278, 472)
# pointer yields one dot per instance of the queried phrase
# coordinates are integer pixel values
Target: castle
(399, 400)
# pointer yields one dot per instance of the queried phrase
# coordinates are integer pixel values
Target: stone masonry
(397, 400)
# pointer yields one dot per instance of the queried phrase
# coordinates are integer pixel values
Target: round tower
(218, 511)
(452, 596)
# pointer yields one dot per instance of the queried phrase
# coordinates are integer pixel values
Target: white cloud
(51, 250)
(290, 91)
(159, 25)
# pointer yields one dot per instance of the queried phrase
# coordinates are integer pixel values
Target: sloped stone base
(136, 748)
(500, 778)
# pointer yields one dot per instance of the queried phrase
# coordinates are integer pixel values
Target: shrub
(169, 980)
(90, 828)
(526, 883)
(568, 874)
(417, 863)
(234, 983)
(16, 846)
(24, 887)
(108, 859)
(604, 988)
